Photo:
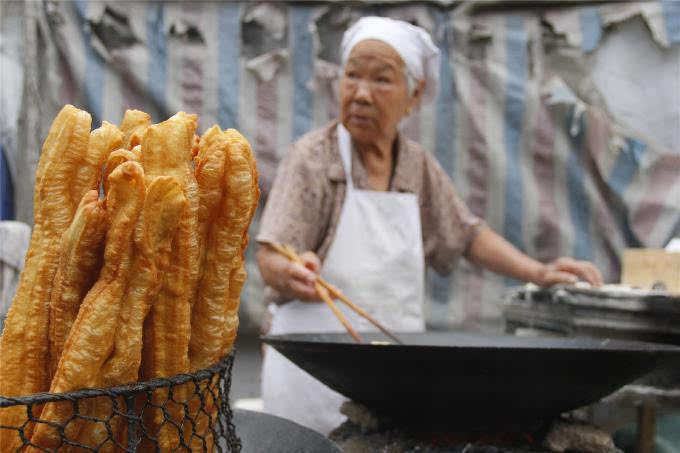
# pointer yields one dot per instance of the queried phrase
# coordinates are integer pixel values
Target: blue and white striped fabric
(550, 177)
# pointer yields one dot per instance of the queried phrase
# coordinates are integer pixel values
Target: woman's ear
(417, 94)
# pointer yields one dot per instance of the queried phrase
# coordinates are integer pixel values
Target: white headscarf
(412, 43)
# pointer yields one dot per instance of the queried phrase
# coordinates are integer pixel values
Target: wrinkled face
(374, 93)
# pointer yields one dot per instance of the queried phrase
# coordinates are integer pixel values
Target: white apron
(377, 260)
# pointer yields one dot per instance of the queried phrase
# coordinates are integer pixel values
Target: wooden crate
(645, 267)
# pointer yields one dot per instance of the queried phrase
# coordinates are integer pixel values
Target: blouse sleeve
(294, 212)
(448, 225)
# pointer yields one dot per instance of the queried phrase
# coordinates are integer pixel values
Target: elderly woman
(369, 208)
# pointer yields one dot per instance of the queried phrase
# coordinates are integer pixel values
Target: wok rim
(604, 345)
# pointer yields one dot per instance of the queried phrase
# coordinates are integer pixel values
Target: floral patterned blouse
(304, 204)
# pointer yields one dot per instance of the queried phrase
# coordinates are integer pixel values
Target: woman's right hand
(299, 280)
(294, 280)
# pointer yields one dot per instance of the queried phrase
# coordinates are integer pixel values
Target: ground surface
(245, 386)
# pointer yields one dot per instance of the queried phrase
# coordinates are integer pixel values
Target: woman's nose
(363, 91)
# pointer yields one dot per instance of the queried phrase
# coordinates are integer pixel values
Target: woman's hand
(299, 281)
(569, 271)
(293, 280)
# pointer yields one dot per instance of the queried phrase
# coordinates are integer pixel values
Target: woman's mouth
(359, 120)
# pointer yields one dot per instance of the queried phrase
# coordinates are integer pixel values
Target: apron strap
(345, 146)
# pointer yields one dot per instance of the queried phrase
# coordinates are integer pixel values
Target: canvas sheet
(558, 125)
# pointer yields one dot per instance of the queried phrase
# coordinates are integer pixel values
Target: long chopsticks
(325, 290)
(325, 296)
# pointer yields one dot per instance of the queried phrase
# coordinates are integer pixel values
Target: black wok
(476, 380)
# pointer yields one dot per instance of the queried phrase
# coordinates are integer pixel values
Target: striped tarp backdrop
(518, 124)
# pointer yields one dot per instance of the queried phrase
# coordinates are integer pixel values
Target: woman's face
(374, 93)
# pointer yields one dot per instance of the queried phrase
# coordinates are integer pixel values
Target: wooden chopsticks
(325, 296)
(326, 290)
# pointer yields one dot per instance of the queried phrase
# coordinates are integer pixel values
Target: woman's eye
(383, 80)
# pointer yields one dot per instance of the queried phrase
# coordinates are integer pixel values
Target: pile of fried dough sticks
(142, 282)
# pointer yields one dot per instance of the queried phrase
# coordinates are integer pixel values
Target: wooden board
(645, 267)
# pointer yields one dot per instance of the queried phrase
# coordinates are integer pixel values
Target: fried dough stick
(51, 146)
(82, 247)
(225, 244)
(166, 150)
(210, 164)
(210, 158)
(215, 314)
(79, 271)
(24, 344)
(137, 151)
(91, 339)
(244, 193)
(115, 159)
(103, 141)
(134, 124)
(155, 229)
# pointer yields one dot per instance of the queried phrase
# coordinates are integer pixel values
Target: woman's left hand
(568, 270)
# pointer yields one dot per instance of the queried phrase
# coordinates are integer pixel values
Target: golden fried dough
(210, 167)
(225, 244)
(155, 229)
(134, 124)
(227, 205)
(166, 150)
(116, 158)
(102, 141)
(24, 365)
(137, 151)
(210, 161)
(243, 193)
(110, 290)
(82, 249)
(165, 203)
(194, 145)
(65, 118)
(166, 147)
(91, 339)
(84, 264)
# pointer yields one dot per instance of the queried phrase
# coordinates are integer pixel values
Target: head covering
(412, 43)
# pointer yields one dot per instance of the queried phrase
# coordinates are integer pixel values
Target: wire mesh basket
(186, 412)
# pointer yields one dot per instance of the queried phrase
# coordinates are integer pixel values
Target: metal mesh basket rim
(123, 390)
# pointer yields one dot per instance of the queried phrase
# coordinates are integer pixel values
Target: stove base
(364, 431)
